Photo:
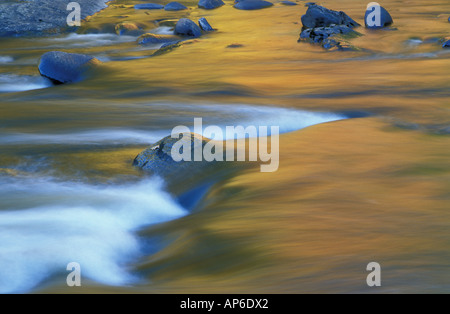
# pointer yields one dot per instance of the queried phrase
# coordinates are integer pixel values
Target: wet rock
(149, 6)
(23, 18)
(446, 44)
(186, 27)
(327, 28)
(204, 25)
(158, 157)
(62, 67)
(235, 46)
(149, 39)
(318, 16)
(174, 6)
(252, 4)
(288, 2)
(128, 28)
(385, 17)
(210, 4)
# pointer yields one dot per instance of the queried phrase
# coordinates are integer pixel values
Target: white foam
(89, 40)
(6, 59)
(163, 30)
(20, 83)
(90, 137)
(74, 222)
(287, 119)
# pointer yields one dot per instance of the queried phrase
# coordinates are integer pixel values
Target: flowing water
(363, 176)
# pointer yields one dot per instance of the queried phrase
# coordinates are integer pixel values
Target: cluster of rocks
(324, 26)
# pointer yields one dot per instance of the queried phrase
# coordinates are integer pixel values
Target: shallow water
(363, 176)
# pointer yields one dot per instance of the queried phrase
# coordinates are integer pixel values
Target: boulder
(252, 4)
(62, 67)
(210, 4)
(204, 25)
(318, 16)
(158, 157)
(149, 39)
(174, 6)
(149, 6)
(385, 17)
(323, 26)
(186, 27)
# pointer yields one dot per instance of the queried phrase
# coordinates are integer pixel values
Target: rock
(252, 4)
(23, 18)
(148, 39)
(385, 17)
(128, 28)
(323, 26)
(158, 157)
(446, 44)
(318, 16)
(174, 6)
(210, 4)
(235, 46)
(149, 6)
(62, 67)
(288, 2)
(204, 25)
(186, 27)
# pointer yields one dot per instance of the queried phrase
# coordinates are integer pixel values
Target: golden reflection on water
(347, 193)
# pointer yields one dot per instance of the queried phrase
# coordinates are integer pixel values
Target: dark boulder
(318, 16)
(370, 20)
(62, 67)
(204, 25)
(174, 6)
(149, 6)
(158, 157)
(210, 4)
(327, 28)
(186, 27)
(252, 4)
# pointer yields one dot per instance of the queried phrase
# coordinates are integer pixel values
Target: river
(364, 173)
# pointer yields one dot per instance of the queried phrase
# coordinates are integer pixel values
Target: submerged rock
(286, 2)
(158, 157)
(148, 39)
(128, 28)
(149, 6)
(210, 4)
(323, 26)
(186, 27)
(318, 16)
(62, 67)
(204, 25)
(385, 17)
(174, 6)
(252, 4)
